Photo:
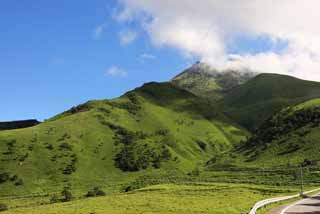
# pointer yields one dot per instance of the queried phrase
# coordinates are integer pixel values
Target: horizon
(134, 87)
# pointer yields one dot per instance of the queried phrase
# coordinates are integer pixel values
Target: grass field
(166, 198)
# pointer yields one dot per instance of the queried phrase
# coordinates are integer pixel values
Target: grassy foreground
(165, 198)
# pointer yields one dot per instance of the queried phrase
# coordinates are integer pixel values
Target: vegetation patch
(96, 191)
(140, 155)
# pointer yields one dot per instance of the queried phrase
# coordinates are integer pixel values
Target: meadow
(164, 198)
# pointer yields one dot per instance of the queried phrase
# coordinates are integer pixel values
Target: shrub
(19, 182)
(3, 207)
(90, 193)
(162, 132)
(64, 137)
(127, 189)
(140, 156)
(11, 143)
(166, 155)
(65, 146)
(66, 194)
(4, 176)
(308, 162)
(202, 145)
(79, 108)
(30, 147)
(54, 199)
(96, 191)
(133, 106)
(70, 168)
(49, 146)
(195, 172)
(14, 178)
(100, 192)
(23, 157)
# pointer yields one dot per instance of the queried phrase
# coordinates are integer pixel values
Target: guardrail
(265, 202)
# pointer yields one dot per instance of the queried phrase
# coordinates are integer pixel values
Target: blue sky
(50, 59)
(58, 54)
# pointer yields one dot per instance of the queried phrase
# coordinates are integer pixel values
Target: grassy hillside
(243, 96)
(109, 143)
(254, 101)
(203, 80)
(287, 139)
(168, 148)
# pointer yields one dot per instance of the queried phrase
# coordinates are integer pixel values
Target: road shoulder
(277, 210)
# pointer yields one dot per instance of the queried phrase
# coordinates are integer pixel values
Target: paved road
(306, 206)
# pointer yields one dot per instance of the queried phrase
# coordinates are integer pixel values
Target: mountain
(18, 124)
(203, 80)
(110, 142)
(175, 126)
(251, 103)
(288, 138)
(246, 97)
(203, 133)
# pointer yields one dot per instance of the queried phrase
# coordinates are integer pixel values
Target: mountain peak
(202, 79)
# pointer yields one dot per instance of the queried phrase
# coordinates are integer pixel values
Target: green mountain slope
(251, 103)
(244, 96)
(290, 137)
(110, 142)
(203, 80)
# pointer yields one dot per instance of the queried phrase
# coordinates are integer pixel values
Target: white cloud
(97, 33)
(116, 72)
(204, 29)
(127, 36)
(147, 56)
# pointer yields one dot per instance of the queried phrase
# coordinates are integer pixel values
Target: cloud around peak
(205, 29)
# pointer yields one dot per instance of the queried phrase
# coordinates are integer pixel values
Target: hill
(251, 103)
(245, 97)
(289, 138)
(18, 124)
(203, 80)
(109, 143)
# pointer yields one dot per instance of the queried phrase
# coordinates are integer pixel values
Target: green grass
(174, 151)
(307, 105)
(253, 102)
(82, 143)
(166, 198)
(285, 140)
(246, 99)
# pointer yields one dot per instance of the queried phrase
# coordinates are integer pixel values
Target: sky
(58, 54)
